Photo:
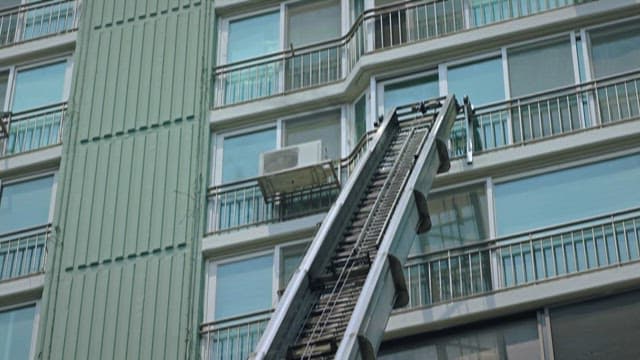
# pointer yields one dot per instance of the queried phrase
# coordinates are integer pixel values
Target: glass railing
(376, 29)
(23, 252)
(526, 258)
(232, 338)
(38, 19)
(32, 129)
(551, 113)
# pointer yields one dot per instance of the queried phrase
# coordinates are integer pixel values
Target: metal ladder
(317, 311)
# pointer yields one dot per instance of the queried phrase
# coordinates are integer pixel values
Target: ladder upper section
(351, 277)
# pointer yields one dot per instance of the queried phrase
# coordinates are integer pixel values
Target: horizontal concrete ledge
(526, 298)
(422, 55)
(43, 47)
(22, 289)
(248, 239)
(30, 161)
(588, 144)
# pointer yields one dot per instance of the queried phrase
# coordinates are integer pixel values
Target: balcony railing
(32, 129)
(23, 252)
(551, 113)
(38, 19)
(522, 259)
(376, 29)
(233, 338)
(241, 204)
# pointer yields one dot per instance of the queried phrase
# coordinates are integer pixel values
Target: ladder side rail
(297, 298)
(366, 327)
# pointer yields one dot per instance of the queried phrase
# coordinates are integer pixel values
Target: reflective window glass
(16, 328)
(244, 286)
(360, 111)
(459, 216)
(565, 195)
(540, 67)
(615, 50)
(410, 91)
(313, 22)
(324, 127)
(482, 81)
(25, 204)
(39, 86)
(241, 154)
(253, 37)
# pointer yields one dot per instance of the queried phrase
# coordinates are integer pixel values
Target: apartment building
(133, 224)
(37, 43)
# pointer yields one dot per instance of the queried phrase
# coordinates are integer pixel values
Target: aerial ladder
(338, 302)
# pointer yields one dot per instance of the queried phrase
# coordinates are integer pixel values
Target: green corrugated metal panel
(121, 281)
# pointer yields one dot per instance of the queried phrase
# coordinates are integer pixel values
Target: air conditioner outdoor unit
(294, 168)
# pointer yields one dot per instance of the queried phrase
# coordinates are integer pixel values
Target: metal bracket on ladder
(366, 348)
(443, 155)
(424, 222)
(397, 274)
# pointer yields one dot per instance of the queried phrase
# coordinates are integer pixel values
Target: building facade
(131, 220)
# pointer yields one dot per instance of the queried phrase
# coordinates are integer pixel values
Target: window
(243, 287)
(360, 118)
(16, 330)
(291, 259)
(408, 91)
(324, 126)
(565, 195)
(25, 204)
(459, 216)
(615, 50)
(241, 153)
(512, 339)
(312, 22)
(539, 67)
(254, 36)
(482, 81)
(40, 86)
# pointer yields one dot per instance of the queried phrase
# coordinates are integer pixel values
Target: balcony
(241, 204)
(38, 19)
(375, 30)
(23, 253)
(233, 338)
(550, 114)
(32, 129)
(524, 259)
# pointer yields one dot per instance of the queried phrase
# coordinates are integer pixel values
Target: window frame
(277, 253)
(34, 176)
(389, 80)
(36, 321)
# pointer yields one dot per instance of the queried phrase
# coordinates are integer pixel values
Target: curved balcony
(375, 30)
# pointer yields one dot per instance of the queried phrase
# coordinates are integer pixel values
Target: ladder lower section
(339, 300)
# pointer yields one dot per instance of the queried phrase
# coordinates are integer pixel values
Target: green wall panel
(124, 267)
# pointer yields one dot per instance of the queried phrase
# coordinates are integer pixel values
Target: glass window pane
(241, 154)
(566, 195)
(291, 259)
(25, 204)
(615, 50)
(244, 286)
(4, 78)
(313, 22)
(253, 37)
(410, 91)
(511, 339)
(482, 81)
(324, 127)
(39, 86)
(459, 216)
(16, 327)
(360, 110)
(535, 68)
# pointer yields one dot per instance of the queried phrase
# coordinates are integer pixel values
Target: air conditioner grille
(280, 160)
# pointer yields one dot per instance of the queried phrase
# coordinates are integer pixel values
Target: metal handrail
(528, 234)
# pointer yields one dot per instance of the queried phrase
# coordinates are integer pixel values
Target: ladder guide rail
(339, 300)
